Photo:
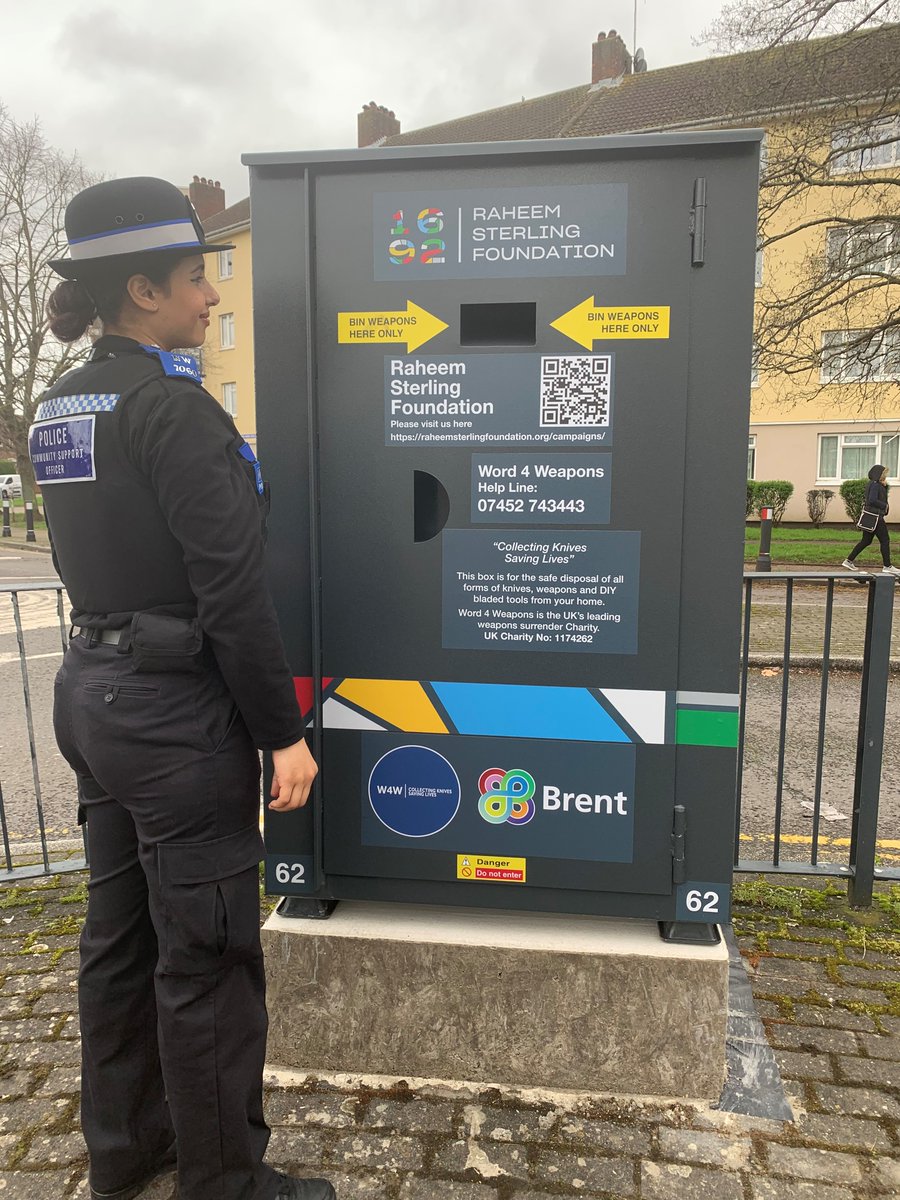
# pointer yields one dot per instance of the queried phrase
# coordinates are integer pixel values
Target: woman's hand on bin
(292, 777)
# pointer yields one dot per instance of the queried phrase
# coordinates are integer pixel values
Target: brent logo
(506, 796)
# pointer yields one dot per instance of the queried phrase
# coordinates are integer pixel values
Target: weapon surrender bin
(502, 398)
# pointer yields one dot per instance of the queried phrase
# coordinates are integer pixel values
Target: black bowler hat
(119, 218)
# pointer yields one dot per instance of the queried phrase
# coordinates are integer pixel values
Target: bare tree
(829, 199)
(36, 183)
(754, 24)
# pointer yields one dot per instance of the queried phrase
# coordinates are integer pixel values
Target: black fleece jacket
(876, 493)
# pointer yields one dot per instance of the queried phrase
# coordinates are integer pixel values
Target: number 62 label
(709, 902)
(289, 874)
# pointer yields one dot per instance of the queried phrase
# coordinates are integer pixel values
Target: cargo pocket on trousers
(210, 895)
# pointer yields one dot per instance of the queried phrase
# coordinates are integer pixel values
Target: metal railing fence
(762, 814)
(29, 859)
(863, 644)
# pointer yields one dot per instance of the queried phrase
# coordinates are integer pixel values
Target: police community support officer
(174, 677)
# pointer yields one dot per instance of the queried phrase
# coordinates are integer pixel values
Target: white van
(10, 486)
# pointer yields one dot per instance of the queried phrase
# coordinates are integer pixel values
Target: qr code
(575, 389)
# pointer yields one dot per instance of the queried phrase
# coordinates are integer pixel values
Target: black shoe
(166, 1162)
(304, 1189)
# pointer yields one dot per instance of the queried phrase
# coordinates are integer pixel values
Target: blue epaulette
(246, 453)
(178, 366)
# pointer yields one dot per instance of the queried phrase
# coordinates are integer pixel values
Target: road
(43, 642)
(44, 652)
(808, 617)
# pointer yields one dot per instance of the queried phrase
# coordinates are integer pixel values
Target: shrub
(751, 495)
(8, 466)
(853, 494)
(817, 501)
(774, 494)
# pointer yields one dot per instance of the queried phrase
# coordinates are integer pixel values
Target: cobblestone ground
(827, 983)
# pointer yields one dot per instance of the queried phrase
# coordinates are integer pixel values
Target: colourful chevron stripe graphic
(627, 715)
(402, 703)
(512, 710)
(706, 719)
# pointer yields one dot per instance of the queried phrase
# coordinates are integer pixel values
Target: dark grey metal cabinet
(502, 398)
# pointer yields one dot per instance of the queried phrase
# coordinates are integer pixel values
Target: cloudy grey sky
(178, 87)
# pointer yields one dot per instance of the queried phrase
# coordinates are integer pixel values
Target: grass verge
(815, 547)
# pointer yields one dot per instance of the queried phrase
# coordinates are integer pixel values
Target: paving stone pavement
(827, 986)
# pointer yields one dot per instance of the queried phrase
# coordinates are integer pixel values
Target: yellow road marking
(804, 839)
(888, 848)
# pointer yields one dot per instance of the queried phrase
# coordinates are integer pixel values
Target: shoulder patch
(62, 450)
(176, 366)
(82, 402)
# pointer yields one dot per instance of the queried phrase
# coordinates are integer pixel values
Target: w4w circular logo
(506, 796)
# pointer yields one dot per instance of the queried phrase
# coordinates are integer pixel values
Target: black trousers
(171, 983)
(881, 532)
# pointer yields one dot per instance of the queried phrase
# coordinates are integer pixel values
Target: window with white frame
(226, 264)
(856, 355)
(759, 265)
(867, 146)
(754, 368)
(869, 249)
(852, 455)
(226, 331)
(751, 457)
(229, 398)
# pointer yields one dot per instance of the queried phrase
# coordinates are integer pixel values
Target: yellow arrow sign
(586, 324)
(415, 327)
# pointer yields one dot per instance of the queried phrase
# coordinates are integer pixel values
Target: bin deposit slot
(431, 506)
(497, 324)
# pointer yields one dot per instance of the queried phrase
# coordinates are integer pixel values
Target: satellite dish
(640, 62)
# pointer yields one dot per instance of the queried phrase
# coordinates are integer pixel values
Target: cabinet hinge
(698, 224)
(679, 831)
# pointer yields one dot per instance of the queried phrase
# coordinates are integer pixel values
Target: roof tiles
(236, 214)
(738, 89)
(543, 117)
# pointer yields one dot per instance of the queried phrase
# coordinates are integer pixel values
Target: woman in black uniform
(174, 678)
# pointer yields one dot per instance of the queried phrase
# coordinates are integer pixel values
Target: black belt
(92, 635)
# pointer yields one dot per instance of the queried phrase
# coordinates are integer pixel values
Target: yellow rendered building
(819, 102)
(228, 352)
(820, 426)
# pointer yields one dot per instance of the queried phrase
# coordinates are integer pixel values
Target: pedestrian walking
(174, 678)
(875, 509)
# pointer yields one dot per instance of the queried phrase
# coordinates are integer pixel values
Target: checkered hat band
(70, 406)
(163, 235)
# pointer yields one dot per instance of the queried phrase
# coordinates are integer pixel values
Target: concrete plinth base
(522, 999)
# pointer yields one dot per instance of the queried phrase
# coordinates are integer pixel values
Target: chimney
(610, 60)
(374, 124)
(207, 197)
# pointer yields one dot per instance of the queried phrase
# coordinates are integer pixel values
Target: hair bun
(70, 310)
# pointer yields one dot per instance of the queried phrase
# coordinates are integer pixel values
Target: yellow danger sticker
(487, 869)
